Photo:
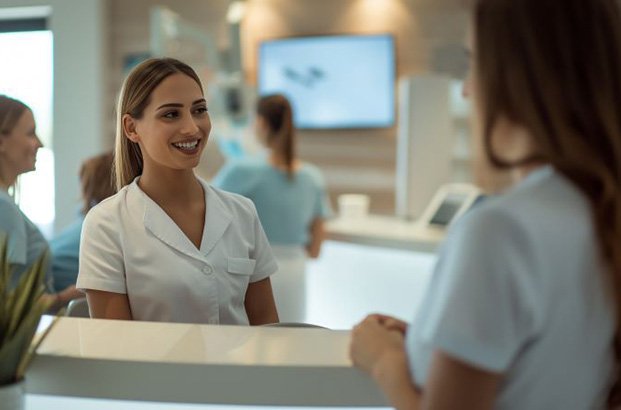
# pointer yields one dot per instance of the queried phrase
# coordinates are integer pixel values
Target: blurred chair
(78, 308)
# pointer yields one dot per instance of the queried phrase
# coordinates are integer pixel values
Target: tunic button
(207, 269)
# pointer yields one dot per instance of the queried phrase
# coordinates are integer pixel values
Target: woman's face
(18, 149)
(174, 127)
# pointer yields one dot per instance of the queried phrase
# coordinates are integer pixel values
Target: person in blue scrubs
(524, 307)
(291, 200)
(19, 144)
(97, 185)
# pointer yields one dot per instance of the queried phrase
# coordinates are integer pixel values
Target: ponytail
(278, 114)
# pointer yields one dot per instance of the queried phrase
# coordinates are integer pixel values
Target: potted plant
(21, 308)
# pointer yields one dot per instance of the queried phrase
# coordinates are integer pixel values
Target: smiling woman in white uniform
(524, 308)
(167, 246)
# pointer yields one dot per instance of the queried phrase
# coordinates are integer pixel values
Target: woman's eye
(171, 114)
(200, 110)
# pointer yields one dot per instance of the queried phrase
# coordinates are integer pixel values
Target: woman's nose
(190, 126)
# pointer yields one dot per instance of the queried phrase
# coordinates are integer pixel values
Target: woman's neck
(521, 172)
(167, 187)
(278, 161)
(4, 186)
(7, 179)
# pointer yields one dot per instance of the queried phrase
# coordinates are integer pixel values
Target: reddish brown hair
(96, 180)
(278, 114)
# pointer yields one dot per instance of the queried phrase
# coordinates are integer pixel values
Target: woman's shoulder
(247, 164)
(542, 205)
(226, 200)
(312, 172)
(229, 200)
(8, 208)
(11, 217)
(239, 172)
(110, 208)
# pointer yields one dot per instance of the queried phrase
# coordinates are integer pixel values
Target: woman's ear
(129, 128)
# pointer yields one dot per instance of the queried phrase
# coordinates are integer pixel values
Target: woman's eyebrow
(179, 105)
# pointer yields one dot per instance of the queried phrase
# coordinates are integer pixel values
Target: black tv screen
(344, 81)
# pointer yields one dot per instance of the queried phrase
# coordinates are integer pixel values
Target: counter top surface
(198, 344)
(387, 231)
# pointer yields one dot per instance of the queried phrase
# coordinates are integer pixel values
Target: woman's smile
(188, 147)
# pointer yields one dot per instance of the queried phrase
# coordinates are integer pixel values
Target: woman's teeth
(190, 145)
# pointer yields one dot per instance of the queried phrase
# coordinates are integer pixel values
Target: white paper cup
(352, 206)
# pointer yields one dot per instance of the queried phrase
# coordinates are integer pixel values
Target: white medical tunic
(520, 290)
(130, 245)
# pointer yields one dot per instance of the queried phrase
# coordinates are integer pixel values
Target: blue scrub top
(286, 207)
(65, 255)
(26, 243)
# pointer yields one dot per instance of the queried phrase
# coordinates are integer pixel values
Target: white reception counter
(187, 363)
(371, 264)
(385, 231)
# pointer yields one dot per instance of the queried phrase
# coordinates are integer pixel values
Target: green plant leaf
(27, 292)
(5, 282)
(14, 350)
(27, 358)
(21, 309)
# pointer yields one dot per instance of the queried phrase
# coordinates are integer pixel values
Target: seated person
(96, 182)
(19, 144)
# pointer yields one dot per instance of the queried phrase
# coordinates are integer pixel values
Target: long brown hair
(278, 114)
(554, 67)
(133, 99)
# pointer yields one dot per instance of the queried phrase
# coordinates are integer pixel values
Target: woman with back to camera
(523, 309)
(19, 144)
(291, 201)
(169, 247)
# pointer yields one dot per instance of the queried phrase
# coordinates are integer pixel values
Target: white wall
(80, 49)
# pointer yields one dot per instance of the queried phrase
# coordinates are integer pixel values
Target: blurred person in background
(291, 200)
(96, 185)
(19, 144)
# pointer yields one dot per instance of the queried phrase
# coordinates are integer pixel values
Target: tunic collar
(217, 219)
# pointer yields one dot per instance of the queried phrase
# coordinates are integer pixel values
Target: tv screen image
(344, 81)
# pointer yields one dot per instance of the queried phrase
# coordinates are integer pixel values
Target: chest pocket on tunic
(241, 266)
(240, 270)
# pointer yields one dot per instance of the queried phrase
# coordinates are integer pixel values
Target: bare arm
(259, 303)
(317, 235)
(451, 383)
(62, 298)
(108, 305)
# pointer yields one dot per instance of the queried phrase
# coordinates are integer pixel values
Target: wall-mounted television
(344, 81)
